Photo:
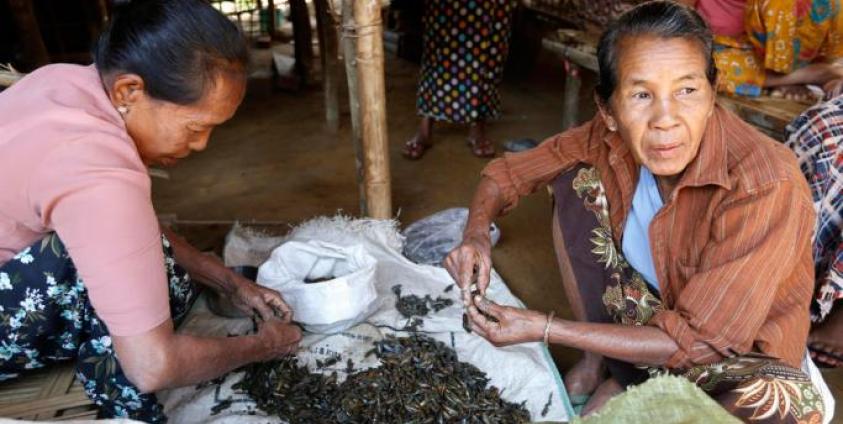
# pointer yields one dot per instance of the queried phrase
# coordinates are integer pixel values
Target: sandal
(414, 149)
(482, 148)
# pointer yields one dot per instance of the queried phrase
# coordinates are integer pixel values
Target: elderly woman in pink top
(86, 271)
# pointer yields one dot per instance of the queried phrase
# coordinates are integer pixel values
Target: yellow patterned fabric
(781, 36)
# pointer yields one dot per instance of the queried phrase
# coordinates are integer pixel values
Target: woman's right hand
(475, 252)
(280, 338)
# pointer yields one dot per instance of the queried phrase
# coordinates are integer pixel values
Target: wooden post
(570, 105)
(371, 87)
(104, 7)
(35, 52)
(330, 68)
(303, 39)
(349, 46)
(270, 25)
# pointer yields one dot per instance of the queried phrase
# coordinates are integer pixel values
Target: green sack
(661, 400)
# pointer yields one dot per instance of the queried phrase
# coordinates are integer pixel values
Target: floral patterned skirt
(46, 316)
(753, 387)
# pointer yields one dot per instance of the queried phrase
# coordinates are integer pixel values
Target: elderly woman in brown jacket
(683, 234)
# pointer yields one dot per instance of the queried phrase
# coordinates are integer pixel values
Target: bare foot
(826, 340)
(585, 376)
(796, 93)
(607, 390)
(481, 146)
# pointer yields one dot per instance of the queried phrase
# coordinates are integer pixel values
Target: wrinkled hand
(251, 297)
(514, 325)
(279, 338)
(475, 252)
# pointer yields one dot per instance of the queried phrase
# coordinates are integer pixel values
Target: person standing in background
(466, 44)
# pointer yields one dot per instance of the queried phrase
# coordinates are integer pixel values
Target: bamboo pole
(371, 87)
(105, 11)
(270, 24)
(570, 103)
(303, 39)
(330, 67)
(349, 46)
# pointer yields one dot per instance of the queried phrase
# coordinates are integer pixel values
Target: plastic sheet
(430, 239)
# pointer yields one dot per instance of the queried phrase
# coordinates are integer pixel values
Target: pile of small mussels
(420, 380)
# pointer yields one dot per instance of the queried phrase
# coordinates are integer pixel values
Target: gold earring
(122, 109)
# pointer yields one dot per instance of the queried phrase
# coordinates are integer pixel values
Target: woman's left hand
(249, 297)
(514, 325)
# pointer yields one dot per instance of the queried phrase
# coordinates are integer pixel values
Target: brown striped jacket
(731, 246)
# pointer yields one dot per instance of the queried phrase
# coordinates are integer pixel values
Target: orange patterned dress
(781, 36)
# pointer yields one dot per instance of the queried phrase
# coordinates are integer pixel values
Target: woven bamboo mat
(49, 394)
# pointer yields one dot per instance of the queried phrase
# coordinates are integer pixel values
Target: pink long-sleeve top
(68, 165)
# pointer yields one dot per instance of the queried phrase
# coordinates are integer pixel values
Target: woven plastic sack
(330, 288)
